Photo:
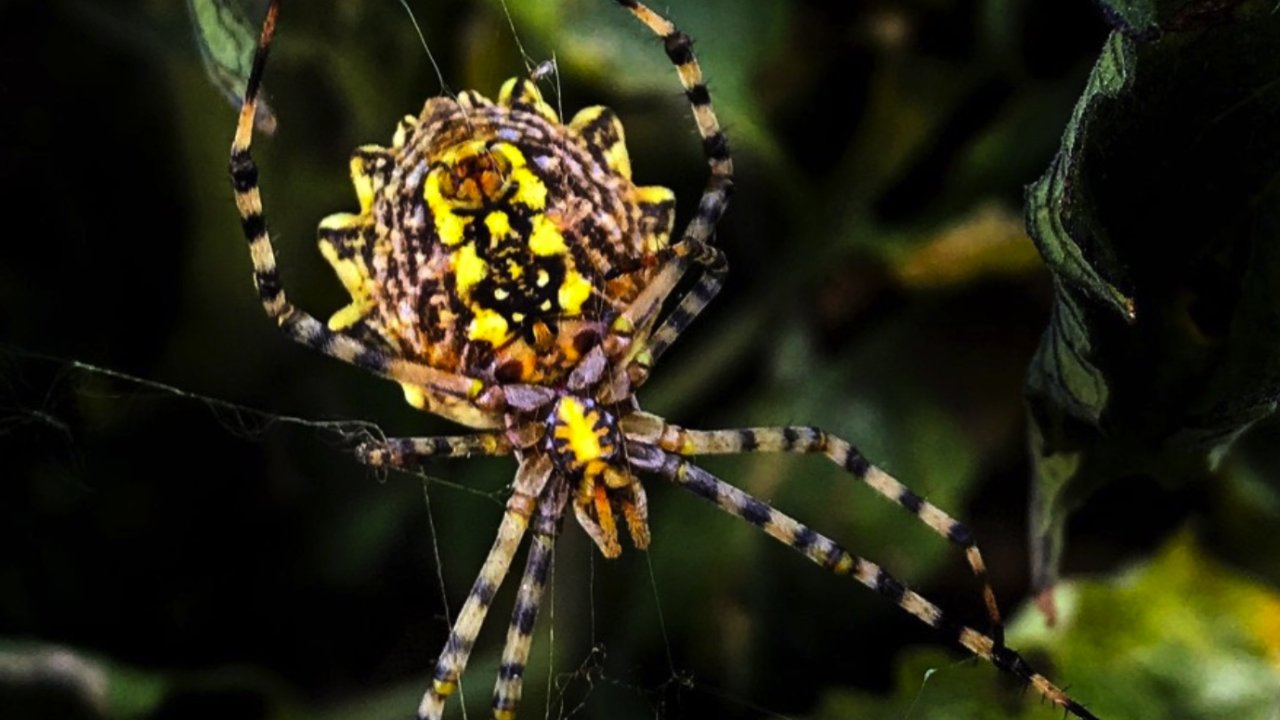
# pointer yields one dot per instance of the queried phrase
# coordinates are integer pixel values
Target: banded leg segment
(715, 196)
(715, 146)
(406, 453)
(801, 439)
(826, 552)
(530, 480)
(297, 324)
(457, 649)
(645, 354)
(515, 654)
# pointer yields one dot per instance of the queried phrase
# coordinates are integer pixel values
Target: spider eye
(475, 174)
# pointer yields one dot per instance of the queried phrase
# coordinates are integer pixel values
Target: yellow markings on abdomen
(498, 223)
(573, 292)
(450, 226)
(545, 239)
(489, 326)
(468, 269)
(488, 209)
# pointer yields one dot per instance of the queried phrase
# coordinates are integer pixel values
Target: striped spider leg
(695, 244)
(531, 479)
(697, 236)
(515, 652)
(825, 552)
(811, 440)
(537, 498)
(451, 389)
(539, 494)
(649, 434)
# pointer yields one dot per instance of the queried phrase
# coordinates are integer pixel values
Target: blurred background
(199, 542)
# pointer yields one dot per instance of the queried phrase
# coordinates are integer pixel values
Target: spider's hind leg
(800, 439)
(826, 552)
(515, 654)
(530, 481)
(715, 146)
(645, 353)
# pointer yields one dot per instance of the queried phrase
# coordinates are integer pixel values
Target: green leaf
(38, 680)
(227, 40)
(1160, 219)
(1148, 18)
(1067, 234)
(1179, 636)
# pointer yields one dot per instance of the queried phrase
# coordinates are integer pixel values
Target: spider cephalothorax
(508, 274)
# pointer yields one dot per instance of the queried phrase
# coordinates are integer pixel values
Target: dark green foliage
(1147, 19)
(1160, 218)
(227, 38)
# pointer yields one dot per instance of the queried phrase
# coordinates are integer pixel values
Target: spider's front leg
(297, 324)
(695, 245)
(644, 354)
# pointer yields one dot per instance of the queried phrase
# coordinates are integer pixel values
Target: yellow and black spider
(507, 272)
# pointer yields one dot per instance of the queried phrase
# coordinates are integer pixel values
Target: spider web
(569, 684)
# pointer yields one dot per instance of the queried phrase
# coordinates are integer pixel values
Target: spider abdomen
(492, 240)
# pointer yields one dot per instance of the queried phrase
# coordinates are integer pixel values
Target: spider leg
(530, 480)
(681, 441)
(403, 453)
(642, 356)
(297, 324)
(646, 353)
(679, 48)
(825, 552)
(695, 243)
(515, 654)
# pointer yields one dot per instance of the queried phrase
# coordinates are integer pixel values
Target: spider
(507, 272)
